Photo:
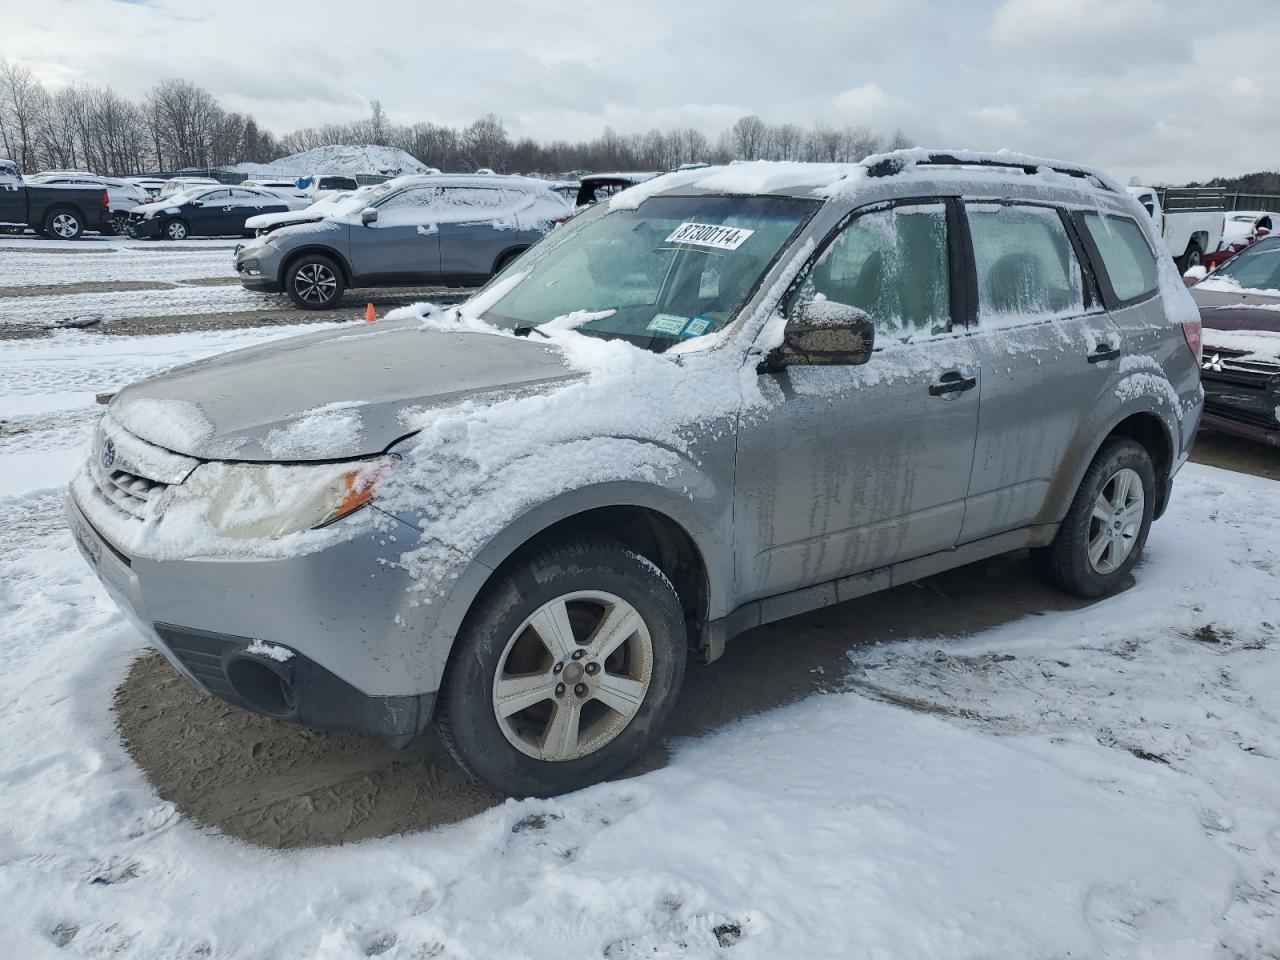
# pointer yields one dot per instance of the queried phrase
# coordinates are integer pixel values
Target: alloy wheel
(573, 676)
(65, 225)
(315, 282)
(1116, 521)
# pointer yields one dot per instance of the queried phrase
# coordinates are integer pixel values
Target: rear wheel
(63, 224)
(565, 670)
(118, 224)
(1192, 258)
(505, 260)
(175, 230)
(1106, 528)
(314, 282)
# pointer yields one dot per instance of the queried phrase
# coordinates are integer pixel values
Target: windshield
(1257, 268)
(677, 267)
(354, 202)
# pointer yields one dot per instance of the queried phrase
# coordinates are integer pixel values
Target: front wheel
(63, 225)
(118, 224)
(175, 230)
(1106, 528)
(565, 670)
(314, 282)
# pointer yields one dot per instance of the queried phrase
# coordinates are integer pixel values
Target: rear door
(403, 244)
(1049, 355)
(476, 225)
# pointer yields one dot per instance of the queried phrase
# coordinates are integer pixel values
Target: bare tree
(748, 135)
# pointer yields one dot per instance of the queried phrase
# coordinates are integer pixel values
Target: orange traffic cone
(370, 314)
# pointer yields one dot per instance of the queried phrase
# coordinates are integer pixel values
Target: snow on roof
(834, 180)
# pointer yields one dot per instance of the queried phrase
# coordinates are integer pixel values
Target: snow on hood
(328, 395)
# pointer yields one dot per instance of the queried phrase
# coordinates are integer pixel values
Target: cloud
(1070, 34)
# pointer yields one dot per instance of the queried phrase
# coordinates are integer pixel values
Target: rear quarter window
(1126, 257)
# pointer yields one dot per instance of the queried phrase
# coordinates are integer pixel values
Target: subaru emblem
(108, 454)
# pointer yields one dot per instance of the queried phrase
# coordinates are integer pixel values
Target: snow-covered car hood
(329, 395)
(287, 218)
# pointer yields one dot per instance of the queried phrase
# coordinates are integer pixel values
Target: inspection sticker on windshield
(667, 323)
(709, 235)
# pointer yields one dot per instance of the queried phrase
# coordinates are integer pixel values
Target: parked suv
(718, 399)
(437, 228)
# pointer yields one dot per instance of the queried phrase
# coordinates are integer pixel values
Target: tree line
(179, 125)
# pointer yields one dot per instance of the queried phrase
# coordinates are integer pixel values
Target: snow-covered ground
(1097, 783)
(23, 262)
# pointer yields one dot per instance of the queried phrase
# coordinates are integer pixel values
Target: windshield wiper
(526, 330)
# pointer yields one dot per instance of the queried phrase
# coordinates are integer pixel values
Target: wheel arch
(1144, 420)
(686, 538)
(287, 263)
(509, 254)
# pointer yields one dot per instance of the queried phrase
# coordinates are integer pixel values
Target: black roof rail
(892, 165)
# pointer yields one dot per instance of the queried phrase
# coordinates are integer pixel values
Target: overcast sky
(1165, 90)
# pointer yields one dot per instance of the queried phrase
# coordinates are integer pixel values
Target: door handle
(952, 382)
(1104, 351)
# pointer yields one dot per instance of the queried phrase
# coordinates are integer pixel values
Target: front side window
(1128, 260)
(674, 268)
(893, 264)
(216, 196)
(1026, 268)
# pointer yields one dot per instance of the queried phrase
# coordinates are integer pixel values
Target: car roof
(470, 180)
(632, 177)
(898, 173)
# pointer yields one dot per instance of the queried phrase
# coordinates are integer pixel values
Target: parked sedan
(1240, 314)
(205, 212)
(439, 228)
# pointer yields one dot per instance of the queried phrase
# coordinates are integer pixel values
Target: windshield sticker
(710, 235)
(667, 323)
(696, 327)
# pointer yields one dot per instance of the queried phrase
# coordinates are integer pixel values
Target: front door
(403, 244)
(1049, 355)
(850, 468)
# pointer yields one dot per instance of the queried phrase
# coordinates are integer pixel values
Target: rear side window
(1025, 265)
(894, 265)
(1128, 260)
(472, 197)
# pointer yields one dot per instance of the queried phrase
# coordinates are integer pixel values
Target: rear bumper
(255, 634)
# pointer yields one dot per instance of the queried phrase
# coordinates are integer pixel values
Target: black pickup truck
(55, 211)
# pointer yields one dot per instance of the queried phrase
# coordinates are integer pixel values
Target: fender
(331, 252)
(1096, 430)
(704, 512)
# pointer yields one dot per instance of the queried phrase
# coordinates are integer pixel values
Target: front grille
(131, 494)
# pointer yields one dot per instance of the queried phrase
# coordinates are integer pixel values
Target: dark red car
(1240, 316)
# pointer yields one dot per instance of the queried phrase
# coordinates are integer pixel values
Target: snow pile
(332, 431)
(337, 158)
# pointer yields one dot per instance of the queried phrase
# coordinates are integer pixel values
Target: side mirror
(824, 333)
(368, 215)
(197, 203)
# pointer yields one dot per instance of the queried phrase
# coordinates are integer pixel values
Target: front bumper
(140, 227)
(1242, 396)
(315, 639)
(260, 270)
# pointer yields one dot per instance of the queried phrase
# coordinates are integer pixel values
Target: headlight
(247, 501)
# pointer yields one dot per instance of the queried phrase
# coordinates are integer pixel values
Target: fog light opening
(263, 688)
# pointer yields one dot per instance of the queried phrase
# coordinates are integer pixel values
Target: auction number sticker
(710, 235)
(667, 323)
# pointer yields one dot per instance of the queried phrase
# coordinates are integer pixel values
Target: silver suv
(721, 398)
(440, 228)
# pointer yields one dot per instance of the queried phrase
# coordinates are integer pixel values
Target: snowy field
(1098, 783)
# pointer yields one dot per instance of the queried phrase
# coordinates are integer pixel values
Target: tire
(1068, 563)
(63, 224)
(1192, 258)
(314, 282)
(117, 224)
(588, 581)
(175, 230)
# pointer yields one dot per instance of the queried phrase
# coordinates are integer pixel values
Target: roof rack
(893, 164)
